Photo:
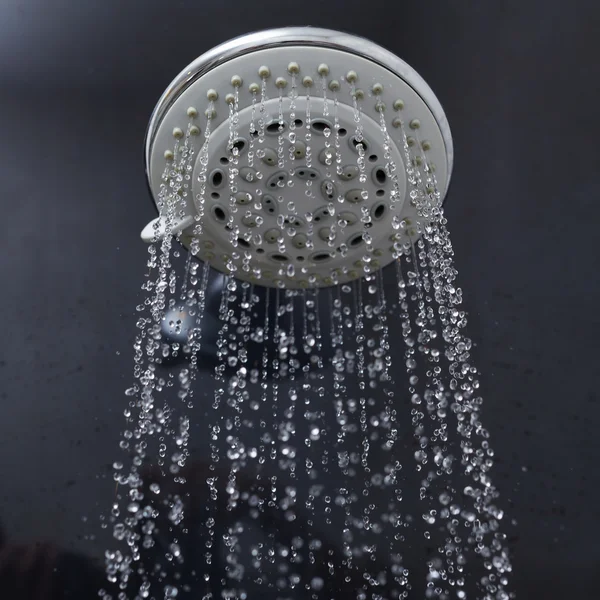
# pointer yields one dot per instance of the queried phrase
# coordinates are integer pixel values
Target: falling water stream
(335, 425)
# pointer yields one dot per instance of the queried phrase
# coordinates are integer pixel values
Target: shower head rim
(301, 36)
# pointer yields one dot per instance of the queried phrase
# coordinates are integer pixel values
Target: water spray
(297, 164)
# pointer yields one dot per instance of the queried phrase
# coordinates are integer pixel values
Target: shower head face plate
(290, 205)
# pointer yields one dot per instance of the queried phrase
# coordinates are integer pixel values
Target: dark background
(518, 81)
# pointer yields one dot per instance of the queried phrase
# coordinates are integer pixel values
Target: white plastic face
(289, 207)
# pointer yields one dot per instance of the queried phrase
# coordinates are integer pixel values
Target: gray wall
(518, 82)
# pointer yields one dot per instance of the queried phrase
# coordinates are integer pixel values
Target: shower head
(284, 157)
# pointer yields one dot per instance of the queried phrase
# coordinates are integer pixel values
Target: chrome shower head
(283, 157)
